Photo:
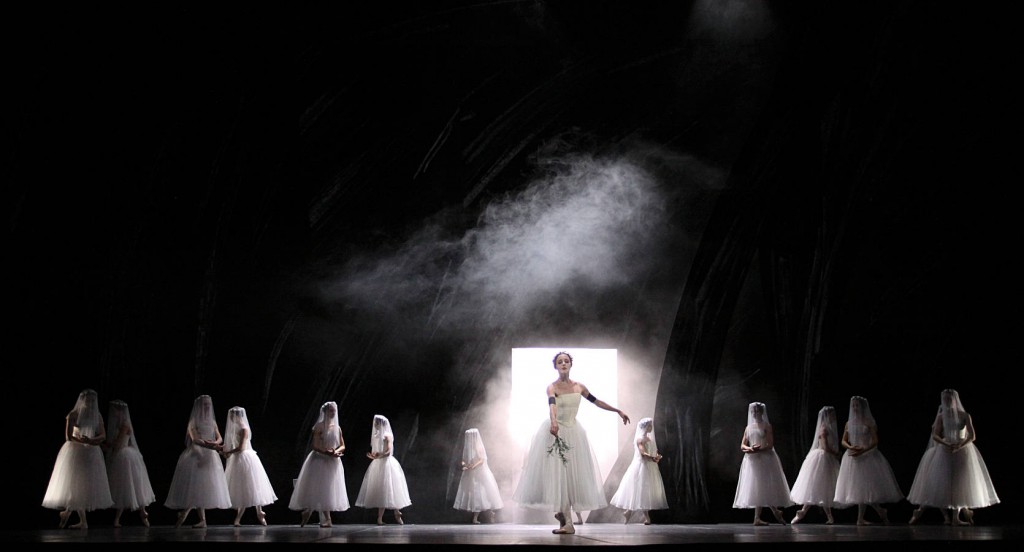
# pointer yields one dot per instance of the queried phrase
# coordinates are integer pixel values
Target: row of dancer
(951, 475)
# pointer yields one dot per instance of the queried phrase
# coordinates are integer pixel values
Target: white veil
(117, 416)
(953, 416)
(757, 413)
(86, 414)
(236, 422)
(860, 412)
(473, 447)
(644, 426)
(201, 418)
(381, 429)
(826, 427)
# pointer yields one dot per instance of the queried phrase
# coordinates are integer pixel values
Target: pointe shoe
(830, 521)
(180, 520)
(916, 516)
(863, 522)
(579, 518)
(326, 524)
(64, 515)
(117, 525)
(625, 516)
(145, 519)
(798, 517)
(200, 525)
(884, 514)
(561, 519)
(305, 517)
(262, 517)
(760, 522)
(778, 516)
(647, 519)
(80, 525)
(565, 530)
(969, 516)
(398, 518)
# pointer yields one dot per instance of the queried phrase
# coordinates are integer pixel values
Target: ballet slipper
(863, 522)
(200, 525)
(325, 524)
(760, 522)
(830, 521)
(117, 525)
(64, 515)
(566, 530)
(80, 525)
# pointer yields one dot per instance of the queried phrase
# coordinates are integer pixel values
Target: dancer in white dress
(321, 484)
(642, 487)
(129, 479)
(762, 481)
(248, 483)
(79, 482)
(199, 482)
(478, 490)
(865, 476)
(952, 475)
(384, 486)
(816, 483)
(561, 473)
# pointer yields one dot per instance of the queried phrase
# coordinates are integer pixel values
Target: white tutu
(866, 479)
(321, 485)
(947, 479)
(79, 479)
(478, 491)
(546, 481)
(762, 482)
(816, 483)
(384, 485)
(248, 484)
(129, 480)
(198, 481)
(641, 487)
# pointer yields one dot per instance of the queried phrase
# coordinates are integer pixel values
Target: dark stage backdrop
(785, 202)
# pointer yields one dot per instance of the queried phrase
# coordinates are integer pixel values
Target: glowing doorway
(532, 371)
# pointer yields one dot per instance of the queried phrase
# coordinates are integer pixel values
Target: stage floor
(518, 535)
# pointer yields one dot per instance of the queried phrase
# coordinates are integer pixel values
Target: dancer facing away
(130, 486)
(952, 475)
(865, 476)
(79, 482)
(816, 483)
(762, 481)
(642, 487)
(561, 471)
(199, 482)
(321, 483)
(248, 484)
(384, 486)
(478, 490)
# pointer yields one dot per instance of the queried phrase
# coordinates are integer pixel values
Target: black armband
(592, 398)
(551, 400)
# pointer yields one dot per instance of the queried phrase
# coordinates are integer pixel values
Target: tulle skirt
(816, 483)
(866, 479)
(762, 482)
(547, 483)
(384, 485)
(321, 485)
(641, 488)
(948, 479)
(478, 491)
(79, 479)
(248, 484)
(129, 480)
(198, 481)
